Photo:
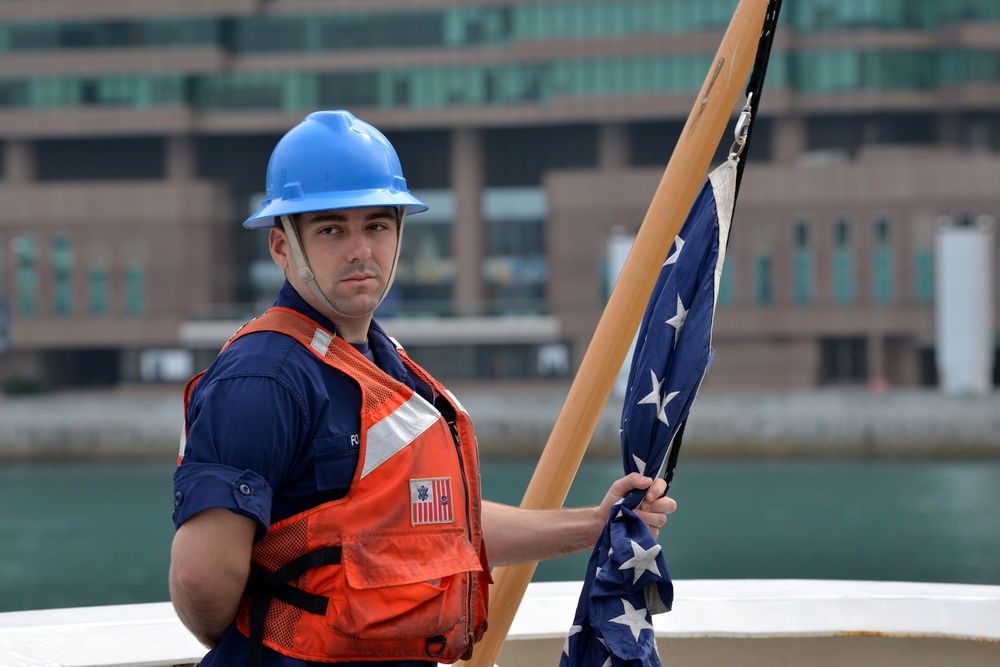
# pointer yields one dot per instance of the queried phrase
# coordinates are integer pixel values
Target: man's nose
(360, 249)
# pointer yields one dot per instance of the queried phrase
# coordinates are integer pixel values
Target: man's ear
(277, 242)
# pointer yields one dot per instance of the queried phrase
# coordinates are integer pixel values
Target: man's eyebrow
(325, 217)
(336, 216)
(387, 212)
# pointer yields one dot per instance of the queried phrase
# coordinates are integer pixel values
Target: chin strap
(400, 217)
(302, 264)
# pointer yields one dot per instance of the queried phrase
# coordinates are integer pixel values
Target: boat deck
(714, 622)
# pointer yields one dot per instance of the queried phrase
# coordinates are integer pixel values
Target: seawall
(515, 420)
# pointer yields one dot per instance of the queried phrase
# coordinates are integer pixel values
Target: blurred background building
(135, 137)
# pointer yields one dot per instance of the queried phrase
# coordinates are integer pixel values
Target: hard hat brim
(270, 209)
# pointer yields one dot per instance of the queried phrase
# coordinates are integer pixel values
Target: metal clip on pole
(742, 129)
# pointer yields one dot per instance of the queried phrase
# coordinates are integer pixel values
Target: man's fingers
(633, 480)
(664, 504)
(653, 519)
(657, 489)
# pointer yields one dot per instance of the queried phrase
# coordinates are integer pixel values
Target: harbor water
(81, 533)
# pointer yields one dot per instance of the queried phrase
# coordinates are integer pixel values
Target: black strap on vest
(263, 588)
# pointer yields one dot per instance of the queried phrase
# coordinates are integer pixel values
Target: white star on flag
(607, 662)
(575, 629)
(662, 414)
(677, 321)
(634, 618)
(642, 560)
(678, 244)
(639, 464)
(654, 398)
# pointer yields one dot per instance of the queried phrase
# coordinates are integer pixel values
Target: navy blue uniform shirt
(273, 431)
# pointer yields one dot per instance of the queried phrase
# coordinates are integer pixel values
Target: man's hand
(516, 535)
(654, 507)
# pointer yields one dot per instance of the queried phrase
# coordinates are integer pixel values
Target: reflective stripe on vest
(389, 435)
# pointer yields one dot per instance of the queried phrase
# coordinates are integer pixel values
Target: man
(327, 499)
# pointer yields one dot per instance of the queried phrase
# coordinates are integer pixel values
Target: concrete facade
(836, 424)
(895, 158)
(777, 344)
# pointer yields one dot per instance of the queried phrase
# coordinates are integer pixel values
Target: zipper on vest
(469, 576)
(450, 415)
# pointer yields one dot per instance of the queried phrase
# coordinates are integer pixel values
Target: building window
(99, 289)
(802, 264)
(426, 271)
(515, 273)
(923, 227)
(26, 259)
(3, 271)
(843, 361)
(135, 290)
(883, 271)
(923, 275)
(62, 275)
(763, 286)
(425, 274)
(516, 266)
(134, 276)
(725, 296)
(843, 263)
(100, 159)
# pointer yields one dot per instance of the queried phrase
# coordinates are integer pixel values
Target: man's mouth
(358, 279)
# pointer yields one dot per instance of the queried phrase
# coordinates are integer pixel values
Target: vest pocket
(403, 585)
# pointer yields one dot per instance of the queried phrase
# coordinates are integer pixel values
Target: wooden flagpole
(589, 392)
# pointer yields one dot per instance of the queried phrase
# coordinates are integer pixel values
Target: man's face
(351, 254)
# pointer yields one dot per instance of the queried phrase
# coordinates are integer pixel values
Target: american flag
(430, 501)
(627, 579)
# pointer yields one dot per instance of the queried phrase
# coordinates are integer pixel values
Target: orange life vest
(397, 568)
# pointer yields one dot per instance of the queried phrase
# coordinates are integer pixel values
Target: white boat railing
(705, 611)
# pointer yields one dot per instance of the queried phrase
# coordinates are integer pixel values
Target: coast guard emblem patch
(430, 501)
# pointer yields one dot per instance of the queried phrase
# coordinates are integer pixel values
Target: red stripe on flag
(436, 507)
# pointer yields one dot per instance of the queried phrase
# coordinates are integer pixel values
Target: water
(95, 533)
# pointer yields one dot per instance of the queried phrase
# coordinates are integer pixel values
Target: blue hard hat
(332, 160)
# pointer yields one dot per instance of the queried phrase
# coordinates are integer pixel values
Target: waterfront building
(135, 136)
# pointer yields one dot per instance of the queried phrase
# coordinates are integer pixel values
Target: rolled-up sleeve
(202, 486)
(242, 434)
